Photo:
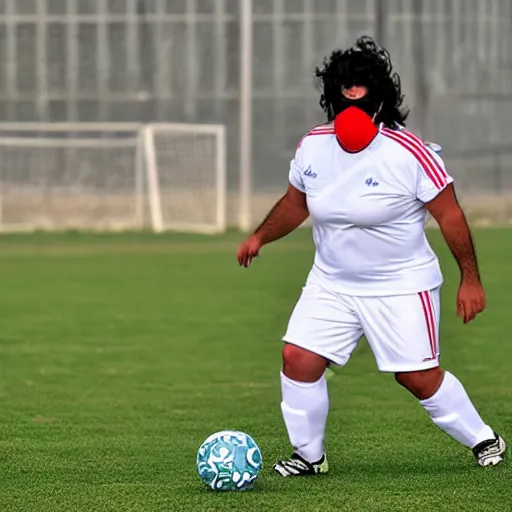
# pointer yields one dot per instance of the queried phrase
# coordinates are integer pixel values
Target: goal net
(101, 176)
(186, 176)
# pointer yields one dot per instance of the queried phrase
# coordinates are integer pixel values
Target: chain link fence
(179, 61)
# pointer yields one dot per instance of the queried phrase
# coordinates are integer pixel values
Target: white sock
(452, 411)
(305, 406)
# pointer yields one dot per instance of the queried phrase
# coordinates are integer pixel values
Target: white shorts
(402, 330)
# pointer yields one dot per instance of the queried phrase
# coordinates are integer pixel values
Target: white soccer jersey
(368, 212)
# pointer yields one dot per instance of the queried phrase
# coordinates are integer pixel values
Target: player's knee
(302, 365)
(295, 358)
(422, 384)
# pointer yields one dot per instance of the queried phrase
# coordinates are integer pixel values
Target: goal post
(186, 176)
(112, 176)
(153, 181)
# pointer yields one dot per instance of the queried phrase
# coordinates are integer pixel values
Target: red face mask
(354, 129)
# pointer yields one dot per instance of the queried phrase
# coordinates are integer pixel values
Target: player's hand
(248, 250)
(470, 300)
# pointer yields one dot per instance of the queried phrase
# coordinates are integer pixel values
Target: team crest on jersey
(371, 182)
(310, 173)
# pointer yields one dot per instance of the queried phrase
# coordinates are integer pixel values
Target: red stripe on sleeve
(421, 154)
(318, 131)
(421, 145)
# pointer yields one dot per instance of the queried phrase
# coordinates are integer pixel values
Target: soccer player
(368, 185)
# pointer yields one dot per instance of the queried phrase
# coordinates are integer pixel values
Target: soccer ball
(229, 461)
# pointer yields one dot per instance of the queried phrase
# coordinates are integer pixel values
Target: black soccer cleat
(490, 452)
(297, 466)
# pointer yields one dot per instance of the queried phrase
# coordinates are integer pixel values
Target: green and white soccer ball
(229, 461)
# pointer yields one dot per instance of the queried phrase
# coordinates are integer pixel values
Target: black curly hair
(365, 64)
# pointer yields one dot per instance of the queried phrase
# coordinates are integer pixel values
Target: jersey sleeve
(432, 176)
(295, 175)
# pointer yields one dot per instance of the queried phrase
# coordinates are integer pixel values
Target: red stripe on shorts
(428, 310)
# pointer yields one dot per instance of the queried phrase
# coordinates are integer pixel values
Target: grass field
(121, 353)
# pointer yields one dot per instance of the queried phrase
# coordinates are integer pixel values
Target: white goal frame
(146, 169)
(148, 133)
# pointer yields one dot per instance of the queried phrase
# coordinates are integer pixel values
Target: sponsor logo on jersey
(310, 173)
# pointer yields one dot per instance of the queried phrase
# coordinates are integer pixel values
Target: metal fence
(180, 60)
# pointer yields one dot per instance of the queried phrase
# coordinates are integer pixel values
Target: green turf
(120, 354)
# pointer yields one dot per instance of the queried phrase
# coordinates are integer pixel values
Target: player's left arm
(446, 210)
(435, 189)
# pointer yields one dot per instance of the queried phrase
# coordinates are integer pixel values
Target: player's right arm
(286, 215)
